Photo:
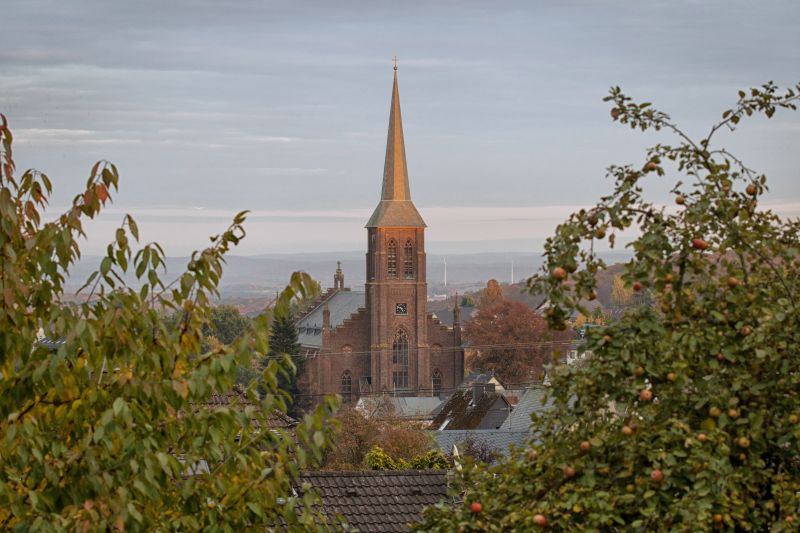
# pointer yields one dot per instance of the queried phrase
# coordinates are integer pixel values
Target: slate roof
(341, 304)
(378, 500)
(498, 439)
(445, 316)
(416, 407)
(459, 412)
(530, 402)
(236, 398)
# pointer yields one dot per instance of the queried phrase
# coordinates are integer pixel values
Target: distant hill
(255, 279)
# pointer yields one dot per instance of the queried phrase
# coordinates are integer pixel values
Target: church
(382, 339)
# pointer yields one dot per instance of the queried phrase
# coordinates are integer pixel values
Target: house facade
(383, 340)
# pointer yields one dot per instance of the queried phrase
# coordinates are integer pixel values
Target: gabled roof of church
(395, 208)
(341, 305)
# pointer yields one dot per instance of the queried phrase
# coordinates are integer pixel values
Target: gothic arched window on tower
(436, 379)
(347, 386)
(392, 258)
(408, 260)
(400, 360)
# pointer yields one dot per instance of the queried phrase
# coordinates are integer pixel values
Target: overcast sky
(210, 107)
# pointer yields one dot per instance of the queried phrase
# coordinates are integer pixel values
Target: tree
(398, 439)
(300, 304)
(100, 420)
(621, 294)
(492, 294)
(509, 338)
(283, 343)
(227, 324)
(686, 416)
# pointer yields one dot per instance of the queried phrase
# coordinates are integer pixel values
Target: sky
(209, 108)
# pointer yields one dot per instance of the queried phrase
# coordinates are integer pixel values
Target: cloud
(66, 136)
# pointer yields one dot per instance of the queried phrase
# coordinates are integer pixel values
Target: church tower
(396, 289)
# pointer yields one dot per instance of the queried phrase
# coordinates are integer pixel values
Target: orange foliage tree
(511, 339)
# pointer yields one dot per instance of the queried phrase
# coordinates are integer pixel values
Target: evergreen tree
(284, 343)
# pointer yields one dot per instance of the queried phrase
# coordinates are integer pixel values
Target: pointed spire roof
(395, 208)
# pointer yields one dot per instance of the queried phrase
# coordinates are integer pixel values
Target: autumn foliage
(399, 440)
(510, 339)
(101, 420)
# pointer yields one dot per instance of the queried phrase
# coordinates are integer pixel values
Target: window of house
(436, 349)
(347, 349)
(392, 259)
(346, 388)
(437, 382)
(408, 260)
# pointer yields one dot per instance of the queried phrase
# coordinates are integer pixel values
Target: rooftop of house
(237, 398)
(378, 500)
(414, 407)
(446, 316)
(342, 304)
(476, 376)
(477, 407)
(499, 440)
(530, 402)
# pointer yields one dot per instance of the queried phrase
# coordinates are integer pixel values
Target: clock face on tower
(400, 309)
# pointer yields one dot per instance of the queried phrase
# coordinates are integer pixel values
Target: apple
(569, 472)
(717, 519)
(671, 376)
(651, 166)
(627, 431)
(600, 233)
(646, 395)
(793, 419)
(668, 277)
(720, 357)
(699, 244)
(629, 488)
(540, 520)
(615, 113)
(751, 189)
(585, 446)
(746, 330)
(715, 412)
(606, 338)
(637, 286)
(532, 455)
(733, 413)
(733, 282)
(702, 437)
(680, 200)
(476, 507)
(743, 442)
(657, 475)
(639, 371)
(789, 519)
(559, 273)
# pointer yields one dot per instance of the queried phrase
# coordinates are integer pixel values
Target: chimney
(477, 393)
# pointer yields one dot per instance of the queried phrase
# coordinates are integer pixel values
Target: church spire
(395, 207)
(395, 171)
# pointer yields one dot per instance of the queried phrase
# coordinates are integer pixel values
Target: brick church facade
(383, 340)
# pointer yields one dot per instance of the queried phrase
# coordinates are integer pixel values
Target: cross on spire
(395, 62)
